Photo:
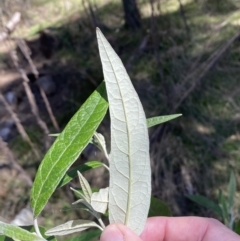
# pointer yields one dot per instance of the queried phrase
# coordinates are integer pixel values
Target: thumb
(118, 232)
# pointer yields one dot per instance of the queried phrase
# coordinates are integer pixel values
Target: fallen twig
(26, 52)
(19, 126)
(31, 98)
(10, 26)
(11, 159)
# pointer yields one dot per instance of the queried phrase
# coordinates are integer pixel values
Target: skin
(173, 229)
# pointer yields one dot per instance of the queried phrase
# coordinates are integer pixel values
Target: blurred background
(183, 56)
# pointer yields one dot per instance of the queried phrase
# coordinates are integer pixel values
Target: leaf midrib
(41, 187)
(129, 146)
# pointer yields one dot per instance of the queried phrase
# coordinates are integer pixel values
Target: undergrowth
(199, 150)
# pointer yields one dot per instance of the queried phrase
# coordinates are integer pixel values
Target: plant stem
(106, 166)
(101, 223)
(35, 224)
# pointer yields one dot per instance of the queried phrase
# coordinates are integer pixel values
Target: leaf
(158, 208)
(71, 174)
(5, 238)
(99, 200)
(231, 190)
(88, 236)
(42, 231)
(72, 226)
(99, 141)
(80, 194)
(160, 119)
(85, 187)
(86, 204)
(205, 202)
(237, 227)
(67, 147)
(16, 232)
(130, 174)
(31, 229)
(223, 205)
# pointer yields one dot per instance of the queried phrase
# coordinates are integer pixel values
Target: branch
(10, 26)
(26, 52)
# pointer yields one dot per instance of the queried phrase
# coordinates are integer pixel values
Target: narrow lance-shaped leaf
(87, 236)
(67, 147)
(18, 233)
(99, 141)
(88, 207)
(42, 230)
(85, 186)
(158, 208)
(160, 119)
(81, 168)
(99, 200)
(231, 190)
(224, 208)
(206, 203)
(72, 226)
(79, 194)
(130, 175)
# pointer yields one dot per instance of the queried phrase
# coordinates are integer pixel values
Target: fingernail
(112, 233)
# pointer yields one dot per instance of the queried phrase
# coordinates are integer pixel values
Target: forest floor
(183, 60)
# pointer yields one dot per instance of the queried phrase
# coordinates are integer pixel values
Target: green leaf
(42, 231)
(224, 208)
(231, 190)
(237, 227)
(72, 226)
(30, 229)
(158, 208)
(87, 236)
(205, 202)
(130, 172)
(160, 119)
(85, 187)
(18, 233)
(67, 148)
(71, 174)
(79, 194)
(5, 238)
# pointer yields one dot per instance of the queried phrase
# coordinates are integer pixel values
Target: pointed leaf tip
(130, 174)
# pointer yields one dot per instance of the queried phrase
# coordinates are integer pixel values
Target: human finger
(186, 229)
(118, 232)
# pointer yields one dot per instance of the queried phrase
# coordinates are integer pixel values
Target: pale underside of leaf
(99, 141)
(85, 186)
(72, 226)
(99, 200)
(130, 174)
(18, 233)
(80, 194)
(87, 204)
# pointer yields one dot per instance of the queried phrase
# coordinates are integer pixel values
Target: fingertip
(111, 233)
(118, 232)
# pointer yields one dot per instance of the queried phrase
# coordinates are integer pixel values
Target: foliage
(225, 208)
(130, 175)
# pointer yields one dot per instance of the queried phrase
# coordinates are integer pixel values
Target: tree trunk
(132, 15)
